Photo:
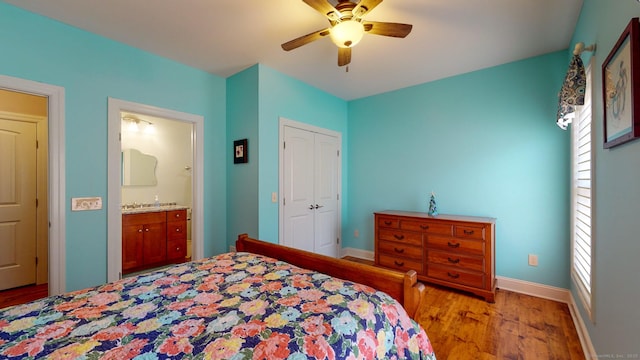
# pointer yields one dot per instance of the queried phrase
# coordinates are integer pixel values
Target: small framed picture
(240, 152)
(621, 79)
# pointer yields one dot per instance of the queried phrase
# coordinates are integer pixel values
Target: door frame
(299, 125)
(114, 216)
(56, 180)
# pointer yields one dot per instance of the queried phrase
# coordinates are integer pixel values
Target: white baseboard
(534, 289)
(362, 254)
(583, 333)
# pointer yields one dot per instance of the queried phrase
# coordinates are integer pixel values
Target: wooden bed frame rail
(405, 288)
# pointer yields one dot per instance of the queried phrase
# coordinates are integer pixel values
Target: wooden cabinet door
(155, 243)
(132, 239)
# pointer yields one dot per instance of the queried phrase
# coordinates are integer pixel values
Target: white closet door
(298, 180)
(326, 195)
(310, 185)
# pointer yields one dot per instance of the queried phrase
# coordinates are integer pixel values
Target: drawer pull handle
(178, 215)
(400, 251)
(451, 245)
(468, 232)
(139, 230)
(399, 237)
(388, 223)
(177, 229)
(424, 227)
(453, 276)
(453, 261)
(178, 248)
(398, 263)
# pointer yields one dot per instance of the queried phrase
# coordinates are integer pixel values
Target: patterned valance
(572, 92)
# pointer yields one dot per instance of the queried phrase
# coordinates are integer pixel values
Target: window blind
(581, 198)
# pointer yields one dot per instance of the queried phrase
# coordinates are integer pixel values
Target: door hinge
(37, 145)
(36, 260)
(338, 152)
(119, 136)
(284, 201)
(338, 241)
(36, 202)
(284, 144)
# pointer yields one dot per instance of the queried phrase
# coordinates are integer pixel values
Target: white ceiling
(223, 37)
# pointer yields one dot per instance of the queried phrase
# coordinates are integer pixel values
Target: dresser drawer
(401, 264)
(177, 215)
(453, 275)
(388, 222)
(176, 250)
(475, 263)
(176, 231)
(456, 245)
(393, 248)
(426, 226)
(469, 232)
(144, 218)
(405, 237)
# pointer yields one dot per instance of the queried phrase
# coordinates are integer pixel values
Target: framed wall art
(620, 82)
(240, 152)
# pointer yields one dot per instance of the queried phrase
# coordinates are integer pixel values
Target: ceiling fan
(348, 26)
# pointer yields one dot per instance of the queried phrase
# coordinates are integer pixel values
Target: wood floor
(462, 326)
(22, 295)
(517, 326)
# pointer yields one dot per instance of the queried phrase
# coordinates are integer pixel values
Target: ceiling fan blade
(387, 29)
(344, 56)
(364, 6)
(325, 8)
(305, 39)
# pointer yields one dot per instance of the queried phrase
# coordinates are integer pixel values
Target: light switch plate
(86, 203)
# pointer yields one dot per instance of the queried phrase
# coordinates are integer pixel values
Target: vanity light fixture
(134, 124)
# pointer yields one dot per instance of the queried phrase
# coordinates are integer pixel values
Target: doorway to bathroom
(155, 166)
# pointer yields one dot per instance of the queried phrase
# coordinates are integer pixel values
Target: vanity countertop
(146, 209)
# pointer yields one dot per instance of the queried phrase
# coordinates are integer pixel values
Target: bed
(264, 301)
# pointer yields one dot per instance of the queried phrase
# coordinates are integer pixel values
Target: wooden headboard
(404, 287)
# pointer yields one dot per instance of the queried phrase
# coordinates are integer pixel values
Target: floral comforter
(231, 306)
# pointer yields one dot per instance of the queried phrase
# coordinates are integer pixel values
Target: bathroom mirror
(138, 169)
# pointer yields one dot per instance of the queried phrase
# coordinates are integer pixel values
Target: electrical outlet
(356, 233)
(86, 203)
(274, 197)
(533, 260)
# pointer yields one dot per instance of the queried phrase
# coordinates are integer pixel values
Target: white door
(326, 195)
(310, 187)
(17, 203)
(298, 176)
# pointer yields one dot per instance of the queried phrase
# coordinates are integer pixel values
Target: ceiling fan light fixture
(347, 33)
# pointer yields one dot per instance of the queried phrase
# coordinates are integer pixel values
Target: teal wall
(242, 179)
(91, 69)
(486, 143)
(284, 96)
(615, 329)
(256, 99)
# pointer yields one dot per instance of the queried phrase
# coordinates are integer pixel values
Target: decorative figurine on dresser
(449, 250)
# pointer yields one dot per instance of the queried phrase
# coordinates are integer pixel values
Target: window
(581, 196)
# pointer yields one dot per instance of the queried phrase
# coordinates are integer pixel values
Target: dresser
(153, 238)
(448, 250)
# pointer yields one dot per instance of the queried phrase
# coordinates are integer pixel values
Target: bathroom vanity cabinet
(153, 238)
